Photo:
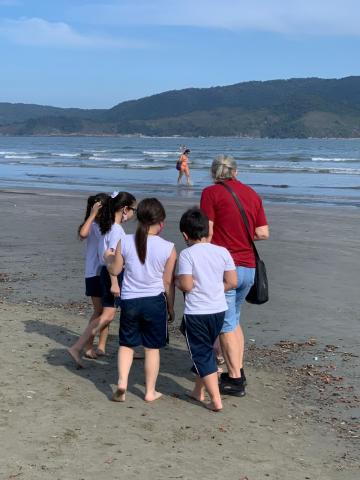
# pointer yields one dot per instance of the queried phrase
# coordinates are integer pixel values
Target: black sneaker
(243, 376)
(231, 386)
(225, 375)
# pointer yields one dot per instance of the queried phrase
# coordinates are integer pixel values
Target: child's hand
(96, 208)
(171, 316)
(109, 255)
(115, 290)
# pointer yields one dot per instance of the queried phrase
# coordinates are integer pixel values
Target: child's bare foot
(213, 406)
(195, 395)
(119, 395)
(100, 352)
(75, 355)
(90, 354)
(151, 397)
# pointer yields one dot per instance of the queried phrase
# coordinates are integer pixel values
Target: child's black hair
(195, 223)
(111, 206)
(149, 212)
(99, 197)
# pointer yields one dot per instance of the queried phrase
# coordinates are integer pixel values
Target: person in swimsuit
(184, 167)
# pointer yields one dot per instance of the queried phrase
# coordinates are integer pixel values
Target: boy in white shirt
(205, 272)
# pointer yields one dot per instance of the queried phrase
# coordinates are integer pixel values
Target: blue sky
(94, 54)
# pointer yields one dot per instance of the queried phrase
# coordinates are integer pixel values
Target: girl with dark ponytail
(90, 232)
(147, 295)
(117, 209)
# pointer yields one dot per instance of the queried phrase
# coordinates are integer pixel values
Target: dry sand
(299, 419)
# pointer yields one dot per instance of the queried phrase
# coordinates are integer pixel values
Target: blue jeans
(236, 297)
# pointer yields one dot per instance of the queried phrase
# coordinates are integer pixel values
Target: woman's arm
(262, 233)
(85, 229)
(169, 286)
(230, 280)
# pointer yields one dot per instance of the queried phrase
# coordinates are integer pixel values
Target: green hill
(304, 107)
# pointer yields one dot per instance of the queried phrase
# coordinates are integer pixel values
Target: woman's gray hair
(223, 167)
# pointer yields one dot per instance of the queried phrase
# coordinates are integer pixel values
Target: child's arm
(85, 229)
(114, 260)
(185, 283)
(115, 288)
(230, 280)
(169, 285)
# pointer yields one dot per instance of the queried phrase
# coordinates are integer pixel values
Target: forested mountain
(304, 107)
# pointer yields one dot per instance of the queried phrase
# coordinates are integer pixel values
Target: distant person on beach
(205, 272)
(117, 209)
(227, 229)
(183, 166)
(90, 232)
(147, 295)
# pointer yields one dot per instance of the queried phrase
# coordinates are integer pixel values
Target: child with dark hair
(205, 272)
(147, 295)
(90, 232)
(116, 210)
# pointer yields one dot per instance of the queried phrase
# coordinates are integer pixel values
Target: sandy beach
(299, 419)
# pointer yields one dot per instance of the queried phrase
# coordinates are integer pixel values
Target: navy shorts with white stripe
(201, 331)
(143, 321)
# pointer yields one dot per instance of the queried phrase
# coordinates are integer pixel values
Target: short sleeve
(229, 262)
(185, 264)
(261, 217)
(207, 205)
(115, 235)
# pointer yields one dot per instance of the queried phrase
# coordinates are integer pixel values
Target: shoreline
(139, 135)
(193, 195)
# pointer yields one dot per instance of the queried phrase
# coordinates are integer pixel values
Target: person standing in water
(183, 167)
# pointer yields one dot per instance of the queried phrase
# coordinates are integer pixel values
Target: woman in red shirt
(228, 230)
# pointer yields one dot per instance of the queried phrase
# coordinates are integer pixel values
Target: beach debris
(330, 348)
(294, 346)
(4, 277)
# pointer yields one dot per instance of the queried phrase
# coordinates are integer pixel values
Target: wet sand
(299, 420)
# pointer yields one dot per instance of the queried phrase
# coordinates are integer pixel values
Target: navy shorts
(143, 321)
(201, 331)
(107, 298)
(93, 287)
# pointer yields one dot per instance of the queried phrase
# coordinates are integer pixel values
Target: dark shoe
(243, 376)
(225, 376)
(231, 386)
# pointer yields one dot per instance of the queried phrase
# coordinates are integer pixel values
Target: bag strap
(243, 215)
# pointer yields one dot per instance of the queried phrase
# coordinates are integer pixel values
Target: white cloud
(327, 17)
(41, 33)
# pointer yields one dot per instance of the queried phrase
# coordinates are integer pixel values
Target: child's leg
(88, 348)
(151, 368)
(101, 348)
(92, 329)
(198, 392)
(212, 387)
(125, 359)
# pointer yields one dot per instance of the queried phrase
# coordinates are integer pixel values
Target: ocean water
(306, 171)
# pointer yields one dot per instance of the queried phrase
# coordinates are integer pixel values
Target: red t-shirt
(229, 229)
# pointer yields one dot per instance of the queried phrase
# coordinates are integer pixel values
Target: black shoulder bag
(259, 292)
